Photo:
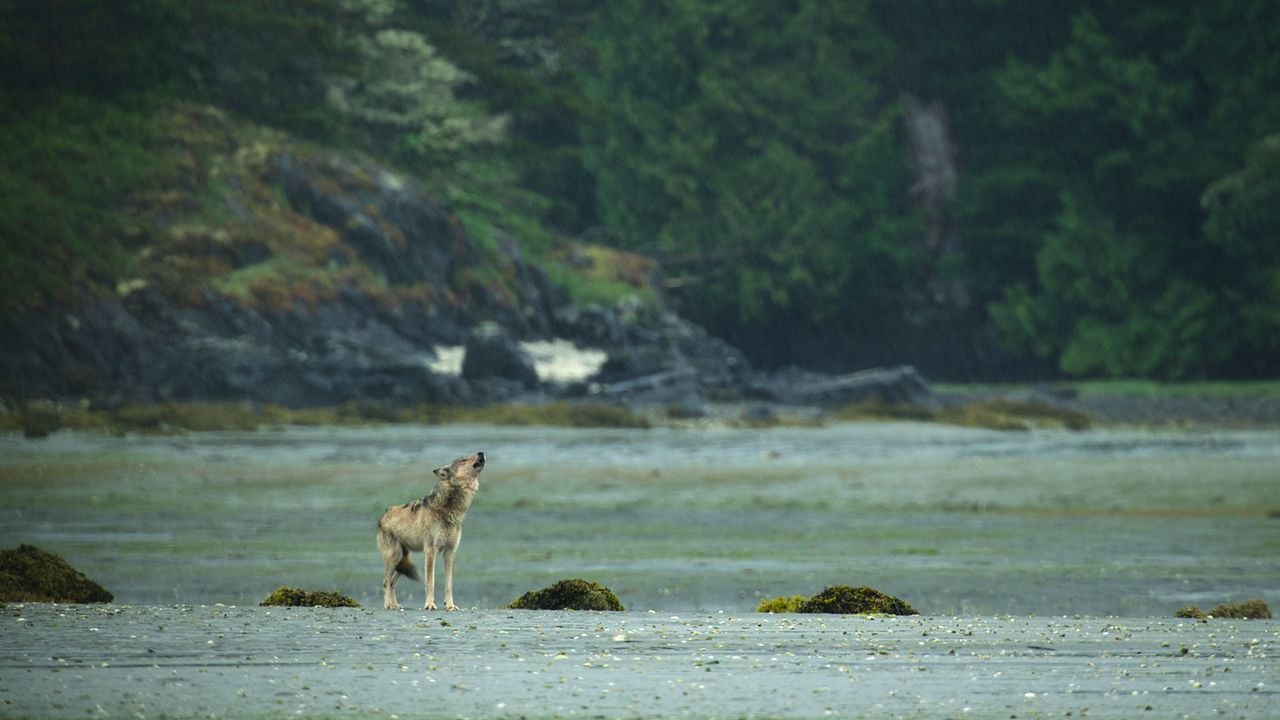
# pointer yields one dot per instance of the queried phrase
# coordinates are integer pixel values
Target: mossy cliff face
(569, 595)
(259, 267)
(30, 574)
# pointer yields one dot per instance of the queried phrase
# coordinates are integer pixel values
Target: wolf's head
(464, 470)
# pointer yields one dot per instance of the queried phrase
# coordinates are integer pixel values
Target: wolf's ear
(443, 473)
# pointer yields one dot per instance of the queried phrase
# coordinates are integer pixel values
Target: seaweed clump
(845, 600)
(30, 574)
(569, 595)
(782, 604)
(284, 596)
(1244, 610)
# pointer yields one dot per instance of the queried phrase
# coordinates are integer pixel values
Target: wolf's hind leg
(393, 555)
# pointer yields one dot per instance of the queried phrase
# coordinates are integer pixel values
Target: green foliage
(81, 47)
(1243, 223)
(747, 145)
(1124, 282)
(69, 161)
(272, 61)
(1114, 212)
(404, 99)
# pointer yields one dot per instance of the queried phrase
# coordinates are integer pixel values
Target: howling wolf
(432, 525)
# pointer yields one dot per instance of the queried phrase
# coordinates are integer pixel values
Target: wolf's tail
(391, 547)
(406, 567)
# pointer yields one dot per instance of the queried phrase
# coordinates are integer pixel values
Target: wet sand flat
(958, 522)
(223, 661)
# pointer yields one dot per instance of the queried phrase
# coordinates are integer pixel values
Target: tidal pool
(956, 521)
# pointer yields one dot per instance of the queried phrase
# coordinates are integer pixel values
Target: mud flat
(222, 661)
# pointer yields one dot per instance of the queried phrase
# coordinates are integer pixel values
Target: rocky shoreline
(324, 279)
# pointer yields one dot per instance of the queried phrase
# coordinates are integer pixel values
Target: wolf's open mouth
(479, 463)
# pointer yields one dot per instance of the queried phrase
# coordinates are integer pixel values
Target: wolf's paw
(393, 606)
(429, 606)
(451, 607)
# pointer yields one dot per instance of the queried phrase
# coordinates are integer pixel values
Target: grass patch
(594, 274)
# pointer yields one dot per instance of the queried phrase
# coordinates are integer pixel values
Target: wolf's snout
(479, 460)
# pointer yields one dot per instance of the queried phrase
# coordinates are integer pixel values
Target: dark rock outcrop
(491, 354)
(898, 385)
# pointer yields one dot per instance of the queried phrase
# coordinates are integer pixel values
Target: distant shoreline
(1015, 408)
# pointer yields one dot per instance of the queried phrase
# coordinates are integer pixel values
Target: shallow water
(956, 521)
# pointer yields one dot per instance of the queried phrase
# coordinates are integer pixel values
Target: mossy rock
(845, 600)
(782, 604)
(569, 595)
(39, 419)
(284, 596)
(1244, 610)
(29, 574)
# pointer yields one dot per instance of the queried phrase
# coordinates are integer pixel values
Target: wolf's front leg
(431, 578)
(448, 580)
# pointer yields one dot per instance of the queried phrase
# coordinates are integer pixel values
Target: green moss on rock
(1254, 609)
(782, 604)
(845, 600)
(39, 419)
(284, 596)
(569, 595)
(30, 574)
